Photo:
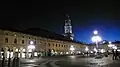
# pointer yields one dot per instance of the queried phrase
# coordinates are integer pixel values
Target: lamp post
(31, 47)
(110, 45)
(86, 49)
(72, 48)
(96, 38)
(114, 47)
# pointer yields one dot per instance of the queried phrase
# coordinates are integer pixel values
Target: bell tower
(68, 28)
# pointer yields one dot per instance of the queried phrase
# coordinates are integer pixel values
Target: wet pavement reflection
(71, 61)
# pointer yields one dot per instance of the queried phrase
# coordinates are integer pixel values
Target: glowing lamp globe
(96, 39)
(31, 42)
(114, 47)
(86, 49)
(95, 32)
(110, 42)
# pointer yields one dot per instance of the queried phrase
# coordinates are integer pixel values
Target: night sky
(86, 17)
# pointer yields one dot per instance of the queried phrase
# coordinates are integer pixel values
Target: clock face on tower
(67, 29)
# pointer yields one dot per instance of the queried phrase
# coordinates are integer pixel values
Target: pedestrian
(113, 57)
(116, 54)
(87, 53)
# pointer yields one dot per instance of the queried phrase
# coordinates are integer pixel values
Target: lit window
(15, 41)
(6, 40)
(16, 50)
(23, 50)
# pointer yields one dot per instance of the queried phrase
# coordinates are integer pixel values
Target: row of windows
(15, 41)
(57, 45)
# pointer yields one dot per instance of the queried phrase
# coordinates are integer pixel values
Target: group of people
(115, 54)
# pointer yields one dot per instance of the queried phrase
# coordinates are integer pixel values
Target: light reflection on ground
(30, 60)
(73, 61)
(92, 61)
(72, 57)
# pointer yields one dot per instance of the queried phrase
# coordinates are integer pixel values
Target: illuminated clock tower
(68, 28)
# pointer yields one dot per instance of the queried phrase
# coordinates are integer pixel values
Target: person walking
(116, 54)
(113, 56)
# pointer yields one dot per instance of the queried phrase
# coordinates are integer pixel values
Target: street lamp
(110, 44)
(96, 38)
(95, 50)
(31, 47)
(114, 47)
(95, 32)
(86, 49)
(72, 48)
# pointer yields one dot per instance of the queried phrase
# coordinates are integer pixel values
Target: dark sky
(86, 16)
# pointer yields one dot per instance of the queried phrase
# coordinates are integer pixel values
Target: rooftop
(43, 33)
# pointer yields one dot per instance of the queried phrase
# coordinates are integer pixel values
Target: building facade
(12, 42)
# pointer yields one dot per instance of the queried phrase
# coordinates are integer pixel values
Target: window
(59, 45)
(34, 42)
(62, 45)
(6, 33)
(40, 42)
(53, 44)
(15, 41)
(22, 36)
(6, 40)
(56, 45)
(22, 41)
(49, 44)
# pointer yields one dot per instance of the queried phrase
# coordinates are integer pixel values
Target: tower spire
(68, 16)
(68, 28)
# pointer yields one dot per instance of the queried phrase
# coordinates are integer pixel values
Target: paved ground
(71, 61)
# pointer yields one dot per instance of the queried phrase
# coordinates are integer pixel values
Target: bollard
(17, 62)
(14, 62)
(3, 60)
(9, 59)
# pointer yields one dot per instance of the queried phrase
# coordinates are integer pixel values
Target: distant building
(117, 43)
(45, 43)
(68, 28)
